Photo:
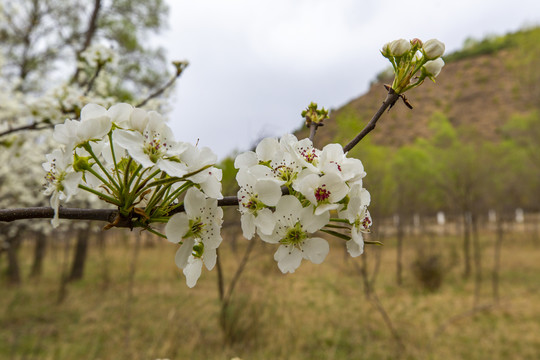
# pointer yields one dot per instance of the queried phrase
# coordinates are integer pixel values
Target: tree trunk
(467, 244)
(477, 260)
(13, 271)
(79, 258)
(497, 260)
(399, 256)
(39, 254)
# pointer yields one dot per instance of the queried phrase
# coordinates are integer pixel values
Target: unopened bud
(433, 67)
(400, 47)
(386, 50)
(417, 42)
(433, 49)
(313, 114)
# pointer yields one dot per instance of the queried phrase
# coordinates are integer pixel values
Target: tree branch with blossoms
(290, 191)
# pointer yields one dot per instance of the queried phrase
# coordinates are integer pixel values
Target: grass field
(320, 312)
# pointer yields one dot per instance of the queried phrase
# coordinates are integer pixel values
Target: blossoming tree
(289, 193)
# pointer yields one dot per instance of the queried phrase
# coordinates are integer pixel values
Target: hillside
(480, 87)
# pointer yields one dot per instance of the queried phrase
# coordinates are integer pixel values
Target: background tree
(55, 58)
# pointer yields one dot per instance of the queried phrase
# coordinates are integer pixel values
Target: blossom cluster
(408, 58)
(129, 158)
(289, 190)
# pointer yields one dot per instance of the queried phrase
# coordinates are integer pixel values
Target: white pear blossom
(62, 181)
(198, 228)
(94, 124)
(155, 146)
(192, 159)
(359, 217)
(332, 159)
(255, 196)
(324, 192)
(294, 227)
(302, 151)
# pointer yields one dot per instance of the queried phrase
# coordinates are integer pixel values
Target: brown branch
(108, 215)
(90, 33)
(32, 126)
(93, 79)
(9, 215)
(390, 100)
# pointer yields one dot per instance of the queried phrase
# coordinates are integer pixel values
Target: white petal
(95, 128)
(212, 185)
(326, 208)
(355, 246)
(288, 210)
(248, 225)
(209, 258)
(194, 201)
(245, 160)
(120, 113)
(138, 120)
(265, 221)
(183, 253)
(267, 149)
(71, 183)
(212, 238)
(269, 191)
(312, 222)
(192, 271)
(128, 139)
(177, 227)
(315, 250)
(173, 168)
(288, 258)
(91, 111)
(55, 203)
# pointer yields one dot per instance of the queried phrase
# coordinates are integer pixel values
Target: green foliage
(47, 35)
(348, 122)
(489, 45)
(378, 181)
(228, 182)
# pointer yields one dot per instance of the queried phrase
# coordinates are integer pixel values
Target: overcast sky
(255, 65)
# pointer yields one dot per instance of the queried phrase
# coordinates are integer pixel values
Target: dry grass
(320, 312)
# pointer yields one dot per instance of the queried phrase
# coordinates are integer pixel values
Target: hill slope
(480, 87)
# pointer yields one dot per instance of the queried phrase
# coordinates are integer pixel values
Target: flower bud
(433, 67)
(433, 49)
(417, 42)
(399, 47)
(386, 50)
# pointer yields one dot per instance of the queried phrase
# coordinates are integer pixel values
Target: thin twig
(454, 319)
(390, 100)
(372, 297)
(312, 130)
(89, 34)
(238, 273)
(179, 70)
(221, 287)
(93, 79)
(32, 126)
